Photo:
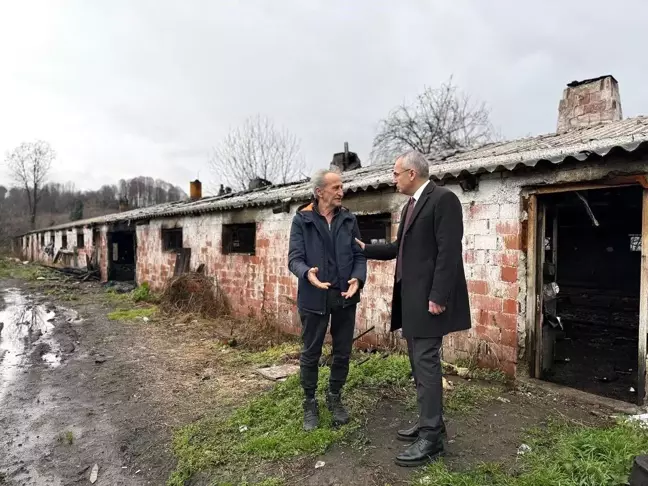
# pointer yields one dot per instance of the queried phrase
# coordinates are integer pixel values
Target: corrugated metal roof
(580, 144)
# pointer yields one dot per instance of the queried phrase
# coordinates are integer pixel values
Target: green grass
(10, 269)
(561, 454)
(269, 427)
(67, 437)
(465, 397)
(143, 294)
(132, 314)
(477, 373)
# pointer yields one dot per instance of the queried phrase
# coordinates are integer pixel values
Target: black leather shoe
(420, 452)
(411, 434)
(311, 414)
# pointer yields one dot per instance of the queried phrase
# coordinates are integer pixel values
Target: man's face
(332, 192)
(404, 178)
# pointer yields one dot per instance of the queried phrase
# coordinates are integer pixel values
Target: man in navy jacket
(331, 270)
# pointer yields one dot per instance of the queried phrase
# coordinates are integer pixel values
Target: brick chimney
(589, 102)
(195, 190)
(346, 160)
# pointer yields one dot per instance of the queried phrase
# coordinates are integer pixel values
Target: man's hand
(360, 244)
(353, 288)
(435, 309)
(315, 282)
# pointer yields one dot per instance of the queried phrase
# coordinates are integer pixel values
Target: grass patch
(562, 454)
(67, 437)
(273, 355)
(269, 427)
(466, 397)
(477, 373)
(10, 269)
(132, 314)
(143, 294)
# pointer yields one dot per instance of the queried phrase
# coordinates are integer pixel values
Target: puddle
(24, 325)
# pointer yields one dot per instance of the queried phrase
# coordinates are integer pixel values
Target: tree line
(35, 203)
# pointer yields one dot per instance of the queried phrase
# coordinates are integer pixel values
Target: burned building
(555, 246)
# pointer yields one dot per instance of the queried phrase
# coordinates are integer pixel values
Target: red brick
(509, 274)
(505, 321)
(509, 338)
(510, 290)
(486, 302)
(469, 256)
(479, 287)
(511, 242)
(510, 306)
(510, 259)
(508, 228)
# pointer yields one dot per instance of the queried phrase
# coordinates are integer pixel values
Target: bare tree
(256, 150)
(439, 119)
(29, 165)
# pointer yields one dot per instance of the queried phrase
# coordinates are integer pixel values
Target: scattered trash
(243, 428)
(145, 319)
(319, 464)
(632, 390)
(642, 418)
(275, 373)
(138, 471)
(94, 473)
(503, 400)
(523, 449)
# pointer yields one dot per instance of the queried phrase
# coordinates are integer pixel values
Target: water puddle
(24, 326)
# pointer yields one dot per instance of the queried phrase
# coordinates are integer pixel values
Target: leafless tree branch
(256, 149)
(439, 119)
(29, 165)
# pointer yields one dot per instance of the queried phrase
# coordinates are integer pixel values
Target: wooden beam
(539, 264)
(532, 240)
(612, 184)
(643, 305)
(554, 245)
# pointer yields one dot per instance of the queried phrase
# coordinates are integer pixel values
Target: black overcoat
(432, 267)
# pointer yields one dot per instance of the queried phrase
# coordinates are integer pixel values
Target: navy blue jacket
(311, 243)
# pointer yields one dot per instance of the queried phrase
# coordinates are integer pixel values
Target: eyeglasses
(396, 174)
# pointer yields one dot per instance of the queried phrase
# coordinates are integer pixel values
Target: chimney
(344, 161)
(195, 190)
(123, 204)
(589, 102)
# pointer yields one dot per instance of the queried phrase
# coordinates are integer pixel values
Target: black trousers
(314, 328)
(425, 359)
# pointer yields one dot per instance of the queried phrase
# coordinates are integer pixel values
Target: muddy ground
(80, 390)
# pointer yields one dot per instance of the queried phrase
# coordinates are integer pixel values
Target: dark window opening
(42, 239)
(80, 240)
(64, 240)
(121, 254)
(375, 228)
(172, 239)
(239, 238)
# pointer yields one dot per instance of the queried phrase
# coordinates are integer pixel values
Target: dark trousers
(425, 358)
(314, 328)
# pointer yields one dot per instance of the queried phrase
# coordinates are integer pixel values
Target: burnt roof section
(574, 84)
(578, 144)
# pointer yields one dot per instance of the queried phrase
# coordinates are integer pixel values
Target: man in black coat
(331, 270)
(430, 296)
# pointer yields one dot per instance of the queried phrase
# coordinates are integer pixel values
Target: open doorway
(589, 278)
(121, 255)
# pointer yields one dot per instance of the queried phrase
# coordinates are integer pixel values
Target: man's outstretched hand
(360, 244)
(353, 288)
(315, 282)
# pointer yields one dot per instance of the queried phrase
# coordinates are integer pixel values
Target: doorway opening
(121, 255)
(588, 275)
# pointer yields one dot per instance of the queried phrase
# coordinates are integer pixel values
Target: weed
(272, 355)
(560, 454)
(67, 437)
(132, 314)
(465, 397)
(143, 294)
(269, 427)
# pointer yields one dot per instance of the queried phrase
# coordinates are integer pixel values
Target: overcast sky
(122, 88)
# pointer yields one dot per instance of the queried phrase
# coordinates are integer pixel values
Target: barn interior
(591, 286)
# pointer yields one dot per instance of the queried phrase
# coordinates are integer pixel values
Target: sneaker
(334, 404)
(311, 414)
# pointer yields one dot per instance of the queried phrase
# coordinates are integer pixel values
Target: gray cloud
(127, 88)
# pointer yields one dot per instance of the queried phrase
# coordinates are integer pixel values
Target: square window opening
(375, 228)
(172, 239)
(239, 238)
